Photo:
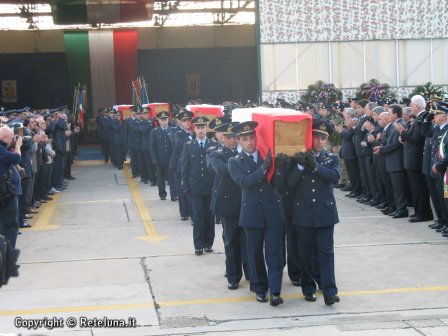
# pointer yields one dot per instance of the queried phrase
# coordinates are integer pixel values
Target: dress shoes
(232, 285)
(412, 216)
(261, 297)
(352, 195)
(373, 203)
(400, 215)
(25, 226)
(332, 300)
(310, 297)
(445, 234)
(361, 196)
(388, 210)
(365, 200)
(346, 188)
(30, 211)
(209, 249)
(381, 206)
(145, 182)
(47, 198)
(71, 178)
(198, 252)
(184, 218)
(418, 218)
(442, 229)
(173, 199)
(27, 216)
(275, 300)
(153, 184)
(435, 225)
(163, 198)
(296, 283)
(392, 213)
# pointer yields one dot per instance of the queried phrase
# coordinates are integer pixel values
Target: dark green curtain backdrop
(78, 64)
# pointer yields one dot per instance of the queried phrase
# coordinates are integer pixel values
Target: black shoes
(173, 199)
(388, 211)
(275, 300)
(198, 252)
(184, 218)
(25, 226)
(332, 300)
(347, 188)
(310, 297)
(232, 285)
(442, 229)
(421, 219)
(296, 283)
(261, 297)
(400, 214)
(209, 249)
(163, 198)
(381, 206)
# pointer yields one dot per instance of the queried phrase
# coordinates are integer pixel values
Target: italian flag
(106, 61)
(101, 11)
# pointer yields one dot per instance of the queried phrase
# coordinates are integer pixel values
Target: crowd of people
(275, 211)
(36, 154)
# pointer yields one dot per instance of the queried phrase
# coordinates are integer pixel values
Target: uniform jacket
(195, 177)
(161, 146)
(226, 195)
(314, 202)
(145, 128)
(59, 137)
(392, 149)
(134, 136)
(261, 204)
(413, 144)
(117, 131)
(181, 137)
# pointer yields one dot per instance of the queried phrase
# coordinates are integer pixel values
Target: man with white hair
(413, 160)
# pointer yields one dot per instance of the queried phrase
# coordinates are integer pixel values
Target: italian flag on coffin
(100, 11)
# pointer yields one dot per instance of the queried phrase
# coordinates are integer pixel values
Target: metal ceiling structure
(37, 15)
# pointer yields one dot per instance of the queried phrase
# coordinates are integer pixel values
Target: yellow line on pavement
(207, 301)
(151, 232)
(46, 212)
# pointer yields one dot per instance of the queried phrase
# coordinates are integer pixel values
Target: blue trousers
(233, 243)
(203, 223)
(272, 239)
(320, 241)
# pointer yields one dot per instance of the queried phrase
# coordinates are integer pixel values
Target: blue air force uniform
(181, 136)
(161, 151)
(226, 203)
(197, 182)
(315, 215)
(262, 220)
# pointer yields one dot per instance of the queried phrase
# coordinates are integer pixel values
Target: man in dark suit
(315, 213)
(183, 135)
(413, 155)
(358, 137)
(348, 153)
(161, 151)
(261, 216)
(197, 183)
(392, 150)
(226, 203)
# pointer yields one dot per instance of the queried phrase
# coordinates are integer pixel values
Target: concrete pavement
(108, 247)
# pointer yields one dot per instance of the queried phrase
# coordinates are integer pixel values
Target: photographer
(9, 157)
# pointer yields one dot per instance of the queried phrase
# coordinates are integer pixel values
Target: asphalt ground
(107, 250)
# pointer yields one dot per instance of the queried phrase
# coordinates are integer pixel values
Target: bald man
(9, 213)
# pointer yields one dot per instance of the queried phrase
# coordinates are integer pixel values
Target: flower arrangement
(321, 92)
(375, 91)
(428, 91)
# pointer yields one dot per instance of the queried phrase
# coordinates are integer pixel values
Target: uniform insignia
(218, 122)
(323, 127)
(246, 128)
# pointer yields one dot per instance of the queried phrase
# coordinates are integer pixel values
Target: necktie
(252, 158)
(202, 145)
